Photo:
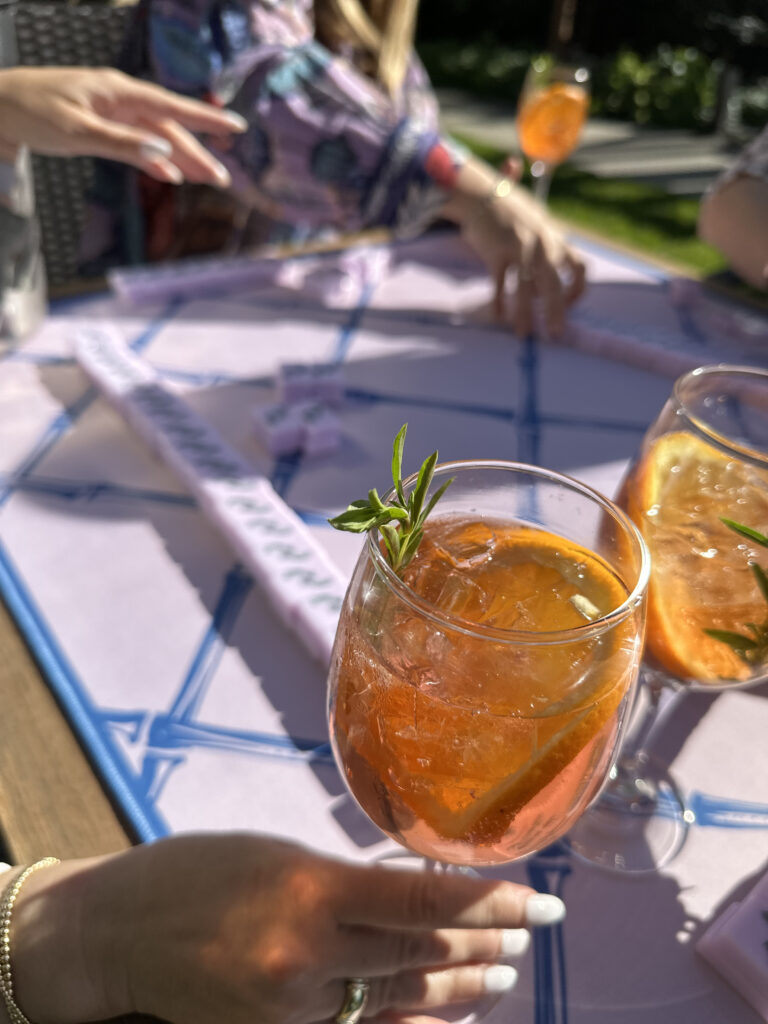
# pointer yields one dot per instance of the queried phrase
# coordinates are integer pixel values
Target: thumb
(101, 137)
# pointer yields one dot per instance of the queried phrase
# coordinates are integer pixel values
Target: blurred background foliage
(715, 52)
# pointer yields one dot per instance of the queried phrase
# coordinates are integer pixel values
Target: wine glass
(704, 460)
(477, 699)
(551, 112)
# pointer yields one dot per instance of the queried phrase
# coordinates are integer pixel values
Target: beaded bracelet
(6, 909)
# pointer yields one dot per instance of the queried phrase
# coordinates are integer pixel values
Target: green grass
(631, 215)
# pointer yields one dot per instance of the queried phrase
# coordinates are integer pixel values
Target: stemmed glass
(477, 698)
(552, 109)
(703, 461)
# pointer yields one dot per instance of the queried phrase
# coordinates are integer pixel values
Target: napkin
(736, 945)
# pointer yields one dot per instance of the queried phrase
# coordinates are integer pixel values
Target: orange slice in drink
(486, 820)
(550, 121)
(542, 705)
(700, 569)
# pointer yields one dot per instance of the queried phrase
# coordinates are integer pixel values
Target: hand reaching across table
(102, 112)
(243, 928)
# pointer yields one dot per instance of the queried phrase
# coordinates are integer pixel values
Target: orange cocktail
(685, 482)
(698, 492)
(550, 120)
(551, 112)
(477, 698)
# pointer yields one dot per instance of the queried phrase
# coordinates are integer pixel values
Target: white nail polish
(515, 941)
(543, 909)
(174, 174)
(499, 978)
(155, 147)
(238, 123)
(223, 176)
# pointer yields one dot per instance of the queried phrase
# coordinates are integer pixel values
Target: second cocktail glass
(552, 109)
(701, 470)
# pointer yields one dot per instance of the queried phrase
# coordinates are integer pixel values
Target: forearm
(475, 185)
(735, 221)
(473, 181)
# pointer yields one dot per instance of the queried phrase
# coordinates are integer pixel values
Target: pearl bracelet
(6, 909)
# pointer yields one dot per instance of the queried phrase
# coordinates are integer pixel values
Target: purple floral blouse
(326, 148)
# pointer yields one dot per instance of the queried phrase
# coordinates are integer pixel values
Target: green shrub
(674, 87)
(753, 104)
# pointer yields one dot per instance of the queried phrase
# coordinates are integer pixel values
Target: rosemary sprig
(401, 522)
(753, 650)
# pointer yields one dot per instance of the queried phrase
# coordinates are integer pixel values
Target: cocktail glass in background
(477, 699)
(703, 460)
(551, 112)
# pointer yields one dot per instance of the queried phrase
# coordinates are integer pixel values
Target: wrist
(65, 956)
(477, 187)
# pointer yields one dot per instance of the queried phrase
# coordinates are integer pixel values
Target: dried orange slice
(700, 575)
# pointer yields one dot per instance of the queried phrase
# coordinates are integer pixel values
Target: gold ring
(355, 1000)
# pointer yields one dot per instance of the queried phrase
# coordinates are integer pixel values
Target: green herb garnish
(401, 522)
(753, 650)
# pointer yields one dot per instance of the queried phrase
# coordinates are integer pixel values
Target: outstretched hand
(243, 928)
(102, 112)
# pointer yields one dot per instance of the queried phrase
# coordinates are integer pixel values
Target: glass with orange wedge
(478, 692)
(553, 107)
(698, 491)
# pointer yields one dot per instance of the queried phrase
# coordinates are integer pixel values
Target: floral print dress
(327, 148)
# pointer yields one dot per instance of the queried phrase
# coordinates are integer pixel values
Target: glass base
(459, 1013)
(638, 823)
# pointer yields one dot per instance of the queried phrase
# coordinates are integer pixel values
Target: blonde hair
(382, 29)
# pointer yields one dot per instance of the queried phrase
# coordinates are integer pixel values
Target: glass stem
(662, 700)
(542, 182)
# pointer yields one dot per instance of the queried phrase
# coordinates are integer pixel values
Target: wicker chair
(91, 35)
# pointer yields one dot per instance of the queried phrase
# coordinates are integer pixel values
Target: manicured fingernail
(499, 978)
(223, 176)
(155, 147)
(515, 941)
(543, 909)
(173, 174)
(238, 123)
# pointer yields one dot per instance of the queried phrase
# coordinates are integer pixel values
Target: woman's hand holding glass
(243, 928)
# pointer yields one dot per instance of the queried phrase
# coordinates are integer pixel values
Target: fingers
(527, 269)
(499, 293)
(551, 291)
(368, 952)
(391, 1017)
(93, 135)
(390, 898)
(164, 150)
(191, 158)
(424, 990)
(151, 102)
(578, 277)
(553, 274)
